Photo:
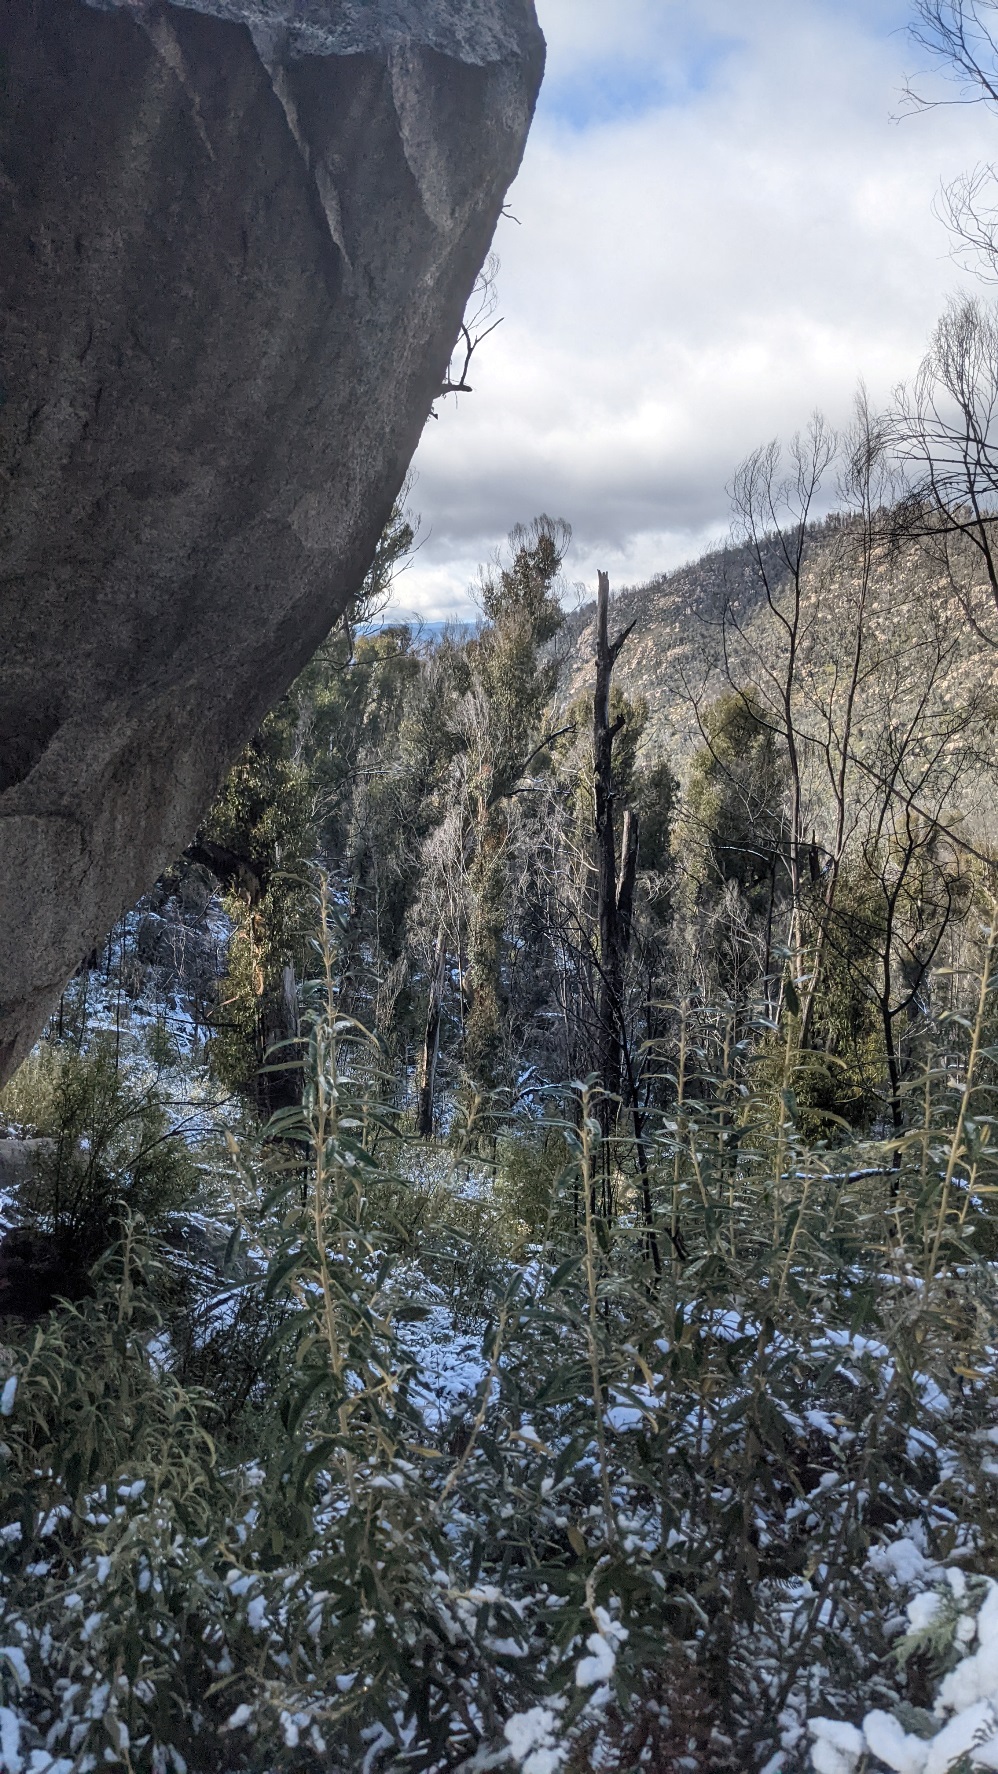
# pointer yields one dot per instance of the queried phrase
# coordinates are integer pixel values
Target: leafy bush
(954, 1626)
(654, 1518)
(110, 1145)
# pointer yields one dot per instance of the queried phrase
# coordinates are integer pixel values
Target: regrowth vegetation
(505, 1269)
(579, 1348)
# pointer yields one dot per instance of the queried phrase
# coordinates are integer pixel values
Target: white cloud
(719, 230)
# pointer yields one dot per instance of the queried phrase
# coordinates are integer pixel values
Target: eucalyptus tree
(776, 498)
(499, 718)
(945, 432)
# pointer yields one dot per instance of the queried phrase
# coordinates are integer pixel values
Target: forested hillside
(499, 1257)
(795, 795)
(523, 1187)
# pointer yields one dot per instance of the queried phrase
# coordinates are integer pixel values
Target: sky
(723, 221)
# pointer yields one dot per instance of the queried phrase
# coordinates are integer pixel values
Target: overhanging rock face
(236, 241)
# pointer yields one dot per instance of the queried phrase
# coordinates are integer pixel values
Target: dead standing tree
(431, 1040)
(615, 893)
(615, 907)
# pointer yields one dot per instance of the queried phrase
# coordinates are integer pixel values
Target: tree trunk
(615, 895)
(625, 881)
(431, 1042)
(279, 1076)
(647, 1209)
(608, 1052)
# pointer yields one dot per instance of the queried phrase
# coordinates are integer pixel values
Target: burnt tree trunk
(615, 891)
(279, 1076)
(431, 1042)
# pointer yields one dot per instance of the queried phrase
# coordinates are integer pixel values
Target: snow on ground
(450, 1364)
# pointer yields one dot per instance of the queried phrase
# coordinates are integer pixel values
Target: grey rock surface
(476, 31)
(231, 272)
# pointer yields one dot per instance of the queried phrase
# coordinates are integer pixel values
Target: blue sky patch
(616, 91)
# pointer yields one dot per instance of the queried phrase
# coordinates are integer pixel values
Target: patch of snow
(973, 1730)
(602, 1646)
(18, 1663)
(902, 1561)
(923, 1610)
(532, 1738)
(897, 1748)
(450, 1365)
(975, 1678)
(933, 1396)
(11, 1759)
(822, 1421)
(837, 1747)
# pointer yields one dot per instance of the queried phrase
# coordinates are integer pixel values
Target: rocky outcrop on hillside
(675, 642)
(673, 658)
(238, 237)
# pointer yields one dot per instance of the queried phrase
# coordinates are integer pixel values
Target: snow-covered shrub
(314, 1594)
(108, 1143)
(553, 1508)
(957, 1623)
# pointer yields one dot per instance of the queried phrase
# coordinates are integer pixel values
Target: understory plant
(105, 1145)
(583, 1509)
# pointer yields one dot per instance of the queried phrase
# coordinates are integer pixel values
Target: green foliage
(162, 1046)
(677, 1481)
(656, 794)
(510, 684)
(30, 1099)
(529, 1169)
(732, 825)
(654, 783)
(521, 593)
(579, 1438)
(524, 614)
(109, 1148)
(285, 804)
